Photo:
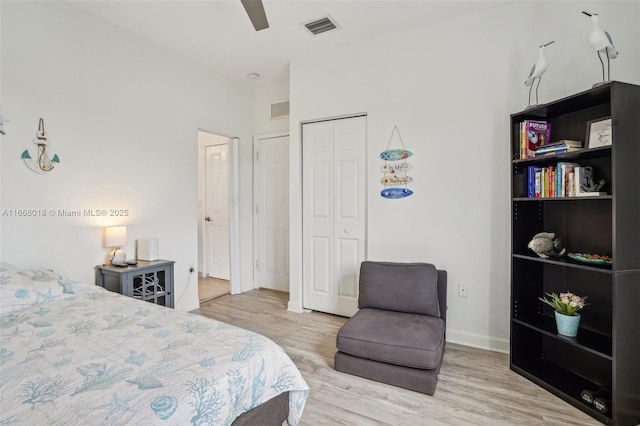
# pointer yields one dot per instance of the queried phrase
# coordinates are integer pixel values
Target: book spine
(552, 186)
(531, 181)
(538, 183)
(571, 184)
(554, 148)
(556, 152)
(523, 138)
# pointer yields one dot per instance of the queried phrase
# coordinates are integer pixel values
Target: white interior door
(217, 211)
(272, 212)
(334, 213)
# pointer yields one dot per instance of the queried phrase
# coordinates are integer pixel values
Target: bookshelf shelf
(596, 343)
(583, 154)
(567, 263)
(570, 199)
(605, 352)
(560, 382)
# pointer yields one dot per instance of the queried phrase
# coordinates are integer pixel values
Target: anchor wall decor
(41, 164)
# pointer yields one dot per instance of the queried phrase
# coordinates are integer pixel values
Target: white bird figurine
(537, 70)
(601, 41)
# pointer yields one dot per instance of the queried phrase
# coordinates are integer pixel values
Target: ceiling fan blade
(257, 15)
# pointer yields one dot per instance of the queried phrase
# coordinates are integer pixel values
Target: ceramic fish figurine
(546, 244)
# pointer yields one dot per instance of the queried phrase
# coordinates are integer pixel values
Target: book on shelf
(533, 134)
(563, 142)
(558, 151)
(562, 183)
(531, 181)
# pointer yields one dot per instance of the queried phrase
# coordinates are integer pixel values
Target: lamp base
(117, 256)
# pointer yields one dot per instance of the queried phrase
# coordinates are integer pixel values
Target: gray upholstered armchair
(398, 334)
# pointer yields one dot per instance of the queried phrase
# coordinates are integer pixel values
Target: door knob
(208, 219)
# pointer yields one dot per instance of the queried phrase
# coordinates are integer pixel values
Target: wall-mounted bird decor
(536, 72)
(601, 42)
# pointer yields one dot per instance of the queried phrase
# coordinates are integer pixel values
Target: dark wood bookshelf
(606, 351)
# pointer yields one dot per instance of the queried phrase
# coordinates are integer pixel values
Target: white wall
(264, 95)
(123, 117)
(450, 89)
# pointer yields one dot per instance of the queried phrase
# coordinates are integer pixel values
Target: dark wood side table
(149, 281)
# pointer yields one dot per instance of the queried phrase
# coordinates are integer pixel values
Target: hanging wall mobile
(41, 164)
(395, 168)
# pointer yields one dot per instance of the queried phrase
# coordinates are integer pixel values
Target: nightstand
(149, 281)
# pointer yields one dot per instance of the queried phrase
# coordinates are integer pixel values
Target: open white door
(217, 212)
(271, 214)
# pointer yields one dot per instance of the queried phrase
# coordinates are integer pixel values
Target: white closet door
(334, 191)
(349, 210)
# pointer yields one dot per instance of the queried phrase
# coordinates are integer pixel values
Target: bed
(74, 353)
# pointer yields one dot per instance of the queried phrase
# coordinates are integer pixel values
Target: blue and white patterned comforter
(73, 353)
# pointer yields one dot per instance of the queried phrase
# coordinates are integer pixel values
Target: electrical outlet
(462, 289)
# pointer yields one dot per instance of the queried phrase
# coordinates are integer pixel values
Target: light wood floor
(475, 387)
(210, 288)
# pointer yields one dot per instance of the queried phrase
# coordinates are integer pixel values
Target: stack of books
(562, 180)
(557, 148)
(533, 135)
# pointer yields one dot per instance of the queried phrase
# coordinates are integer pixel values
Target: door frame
(256, 241)
(234, 211)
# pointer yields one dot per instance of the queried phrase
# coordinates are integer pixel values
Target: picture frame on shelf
(599, 132)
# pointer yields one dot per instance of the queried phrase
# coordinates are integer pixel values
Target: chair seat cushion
(410, 340)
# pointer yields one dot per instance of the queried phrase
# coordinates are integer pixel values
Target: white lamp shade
(115, 236)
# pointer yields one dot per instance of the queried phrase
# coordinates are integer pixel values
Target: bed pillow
(27, 287)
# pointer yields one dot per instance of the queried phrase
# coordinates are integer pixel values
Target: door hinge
(257, 155)
(257, 209)
(257, 264)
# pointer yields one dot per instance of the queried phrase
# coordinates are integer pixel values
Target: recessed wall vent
(321, 25)
(279, 110)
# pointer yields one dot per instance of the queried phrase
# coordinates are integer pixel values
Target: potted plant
(566, 306)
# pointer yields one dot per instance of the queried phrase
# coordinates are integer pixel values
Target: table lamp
(116, 237)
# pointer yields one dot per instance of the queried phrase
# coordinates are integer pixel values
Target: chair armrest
(442, 294)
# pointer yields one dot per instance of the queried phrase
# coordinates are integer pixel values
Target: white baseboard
(478, 341)
(295, 307)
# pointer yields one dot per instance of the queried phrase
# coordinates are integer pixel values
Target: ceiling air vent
(321, 25)
(279, 110)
